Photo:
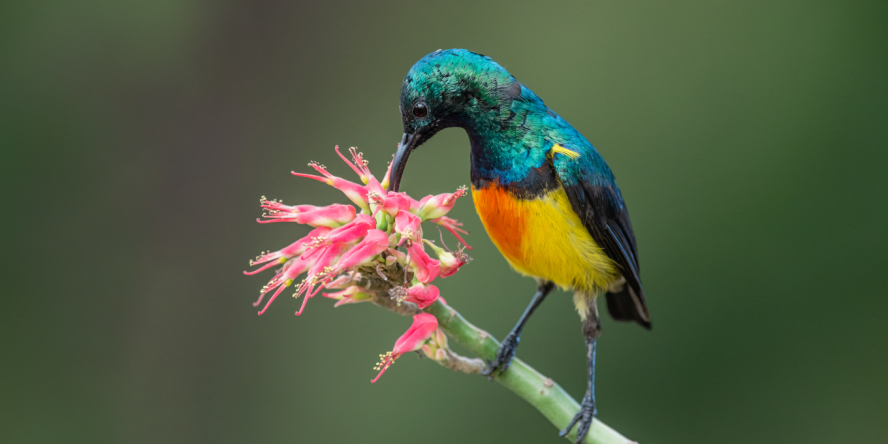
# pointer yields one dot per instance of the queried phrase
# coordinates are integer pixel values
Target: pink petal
(330, 216)
(434, 207)
(373, 244)
(294, 249)
(425, 268)
(359, 167)
(409, 226)
(356, 193)
(422, 295)
(351, 232)
(452, 225)
(424, 325)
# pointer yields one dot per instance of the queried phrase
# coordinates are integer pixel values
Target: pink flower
(433, 207)
(409, 226)
(452, 225)
(283, 279)
(350, 295)
(356, 193)
(450, 261)
(270, 259)
(330, 216)
(425, 269)
(374, 243)
(343, 241)
(395, 203)
(424, 325)
(351, 232)
(422, 295)
(321, 272)
(414, 204)
(360, 168)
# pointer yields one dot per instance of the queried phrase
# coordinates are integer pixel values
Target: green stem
(541, 392)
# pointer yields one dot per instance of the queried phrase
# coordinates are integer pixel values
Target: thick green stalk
(541, 392)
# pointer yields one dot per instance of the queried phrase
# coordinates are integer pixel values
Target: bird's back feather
(596, 199)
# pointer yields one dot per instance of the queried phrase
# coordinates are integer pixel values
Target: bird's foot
(504, 355)
(583, 419)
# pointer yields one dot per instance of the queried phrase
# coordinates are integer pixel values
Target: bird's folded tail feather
(625, 305)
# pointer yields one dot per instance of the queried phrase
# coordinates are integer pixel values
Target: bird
(545, 196)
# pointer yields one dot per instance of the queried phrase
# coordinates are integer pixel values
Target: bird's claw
(504, 356)
(583, 417)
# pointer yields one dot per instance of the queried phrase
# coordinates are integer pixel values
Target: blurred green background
(749, 139)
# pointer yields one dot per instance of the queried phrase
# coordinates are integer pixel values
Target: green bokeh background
(749, 139)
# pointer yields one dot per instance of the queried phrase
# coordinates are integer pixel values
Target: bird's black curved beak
(407, 145)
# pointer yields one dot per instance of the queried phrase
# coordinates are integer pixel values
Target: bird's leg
(591, 330)
(507, 349)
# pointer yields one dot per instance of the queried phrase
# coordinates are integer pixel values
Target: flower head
(349, 247)
(424, 325)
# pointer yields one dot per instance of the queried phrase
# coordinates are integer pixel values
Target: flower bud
(350, 295)
(450, 261)
(434, 207)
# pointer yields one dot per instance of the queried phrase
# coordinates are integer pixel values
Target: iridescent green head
(448, 88)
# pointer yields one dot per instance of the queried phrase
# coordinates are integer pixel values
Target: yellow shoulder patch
(562, 150)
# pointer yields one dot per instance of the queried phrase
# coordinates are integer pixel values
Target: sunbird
(546, 197)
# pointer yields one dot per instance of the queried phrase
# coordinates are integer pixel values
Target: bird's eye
(420, 110)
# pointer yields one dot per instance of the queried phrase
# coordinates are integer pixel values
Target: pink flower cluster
(385, 228)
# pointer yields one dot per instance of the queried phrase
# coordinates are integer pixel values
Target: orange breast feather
(503, 218)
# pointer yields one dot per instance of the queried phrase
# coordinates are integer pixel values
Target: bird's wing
(596, 199)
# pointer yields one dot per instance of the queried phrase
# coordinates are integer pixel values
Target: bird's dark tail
(626, 305)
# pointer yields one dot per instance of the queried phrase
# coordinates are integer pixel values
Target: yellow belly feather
(544, 238)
